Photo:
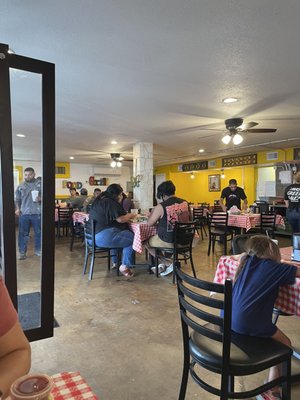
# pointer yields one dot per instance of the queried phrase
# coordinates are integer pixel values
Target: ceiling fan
(235, 127)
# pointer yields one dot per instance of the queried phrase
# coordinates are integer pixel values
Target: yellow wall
(196, 190)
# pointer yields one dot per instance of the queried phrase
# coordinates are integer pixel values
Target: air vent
(272, 156)
(211, 164)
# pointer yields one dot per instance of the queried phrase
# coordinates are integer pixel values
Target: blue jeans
(24, 228)
(116, 238)
(293, 216)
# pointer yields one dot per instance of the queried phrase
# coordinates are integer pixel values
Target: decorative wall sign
(195, 166)
(97, 182)
(214, 184)
(236, 161)
(69, 184)
(297, 153)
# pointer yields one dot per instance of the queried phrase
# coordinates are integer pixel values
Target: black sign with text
(195, 166)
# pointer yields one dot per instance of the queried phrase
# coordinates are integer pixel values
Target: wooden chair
(200, 220)
(64, 221)
(92, 250)
(266, 226)
(209, 344)
(218, 230)
(182, 249)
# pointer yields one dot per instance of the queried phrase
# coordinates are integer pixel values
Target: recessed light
(20, 135)
(114, 142)
(201, 150)
(71, 158)
(228, 100)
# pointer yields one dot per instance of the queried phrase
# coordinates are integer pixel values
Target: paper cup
(34, 194)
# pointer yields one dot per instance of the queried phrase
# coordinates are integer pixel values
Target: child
(257, 281)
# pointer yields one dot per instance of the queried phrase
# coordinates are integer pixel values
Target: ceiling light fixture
(192, 176)
(222, 173)
(229, 100)
(71, 158)
(115, 160)
(201, 150)
(114, 142)
(113, 164)
(237, 139)
(226, 139)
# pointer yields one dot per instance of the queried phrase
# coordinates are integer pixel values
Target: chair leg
(72, 241)
(156, 263)
(213, 244)
(86, 257)
(209, 246)
(92, 266)
(192, 264)
(185, 377)
(225, 245)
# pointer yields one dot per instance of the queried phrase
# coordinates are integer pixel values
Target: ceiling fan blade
(261, 130)
(247, 125)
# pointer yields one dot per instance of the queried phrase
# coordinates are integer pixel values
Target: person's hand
(17, 212)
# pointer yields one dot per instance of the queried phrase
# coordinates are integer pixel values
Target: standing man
(233, 195)
(28, 208)
(292, 201)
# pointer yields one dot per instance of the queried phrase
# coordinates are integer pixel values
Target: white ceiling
(157, 71)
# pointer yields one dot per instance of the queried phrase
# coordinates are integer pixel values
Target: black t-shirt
(175, 210)
(292, 194)
(233, 198)
(105, 211)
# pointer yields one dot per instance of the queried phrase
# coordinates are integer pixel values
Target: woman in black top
(292, 201)
(111, 229)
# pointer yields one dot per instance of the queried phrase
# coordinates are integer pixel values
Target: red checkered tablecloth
(141, 232)
(288, 299)
(79, 216)
(71, 385)
(248, 221)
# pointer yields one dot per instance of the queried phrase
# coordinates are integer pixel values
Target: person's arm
(126, 217)
(15, 357)
(287, 203)
(245, 204)
(17, 201)
(155, 215)
(221, 202)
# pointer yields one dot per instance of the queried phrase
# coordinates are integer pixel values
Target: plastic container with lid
(32, 387)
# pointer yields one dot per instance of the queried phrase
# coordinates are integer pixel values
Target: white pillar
(143, 173)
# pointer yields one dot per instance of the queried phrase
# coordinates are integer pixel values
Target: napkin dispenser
(296, 246)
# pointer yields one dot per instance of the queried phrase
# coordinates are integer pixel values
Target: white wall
(80, 173)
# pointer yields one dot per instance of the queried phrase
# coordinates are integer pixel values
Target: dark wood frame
(47, 71)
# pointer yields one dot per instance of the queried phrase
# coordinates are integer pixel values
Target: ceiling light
(222, 174)
(228, 100)
(114, 142)
(237, 139)
(71, 158)
(113, 164)
(226, 139)
(201, 150)
(119, 164)
(120, 158)
(20, 135)
(192, 176)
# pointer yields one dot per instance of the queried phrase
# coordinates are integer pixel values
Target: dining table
(71, 386)
(288, 299)
(247, 221)
(142, 231)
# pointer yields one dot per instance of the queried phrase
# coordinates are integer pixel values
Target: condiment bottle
(32, 387)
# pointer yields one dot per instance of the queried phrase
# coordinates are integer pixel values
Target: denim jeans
(116, 238)
(293, 216)
(24, 228)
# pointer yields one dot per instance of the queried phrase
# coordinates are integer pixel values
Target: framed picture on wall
(214, 183)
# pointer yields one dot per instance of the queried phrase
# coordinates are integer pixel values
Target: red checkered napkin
(71, 385)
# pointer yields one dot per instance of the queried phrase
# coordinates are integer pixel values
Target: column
(143, 175)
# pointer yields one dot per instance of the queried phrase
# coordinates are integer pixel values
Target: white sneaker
(161, 268)
(168, 270)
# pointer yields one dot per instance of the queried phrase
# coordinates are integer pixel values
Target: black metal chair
(182, 248)
(218, 230)
(64, 221)
(209, 344)
(200, 220)
(92, 250)
(267, 224)
(260, 206)
(77, 232)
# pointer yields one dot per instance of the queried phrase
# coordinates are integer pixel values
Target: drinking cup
(34, 195)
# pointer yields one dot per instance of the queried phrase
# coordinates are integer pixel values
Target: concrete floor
(123, 336)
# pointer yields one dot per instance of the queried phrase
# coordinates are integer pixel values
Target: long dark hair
(111, 192)
(260, 246)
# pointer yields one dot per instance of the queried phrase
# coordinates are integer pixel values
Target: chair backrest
(217, 208)
(89, 233)
(198, 307)
(65, 213)
(261, 206)
(184, 234)
(267, 221)
(198, 213)
(218, 219)
(239, 243)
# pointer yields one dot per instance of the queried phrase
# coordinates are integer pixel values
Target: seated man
(172, 209)
(90, 199)
(15, 353)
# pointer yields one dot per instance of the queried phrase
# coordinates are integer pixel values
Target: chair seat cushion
(219, 231)
(249, 354)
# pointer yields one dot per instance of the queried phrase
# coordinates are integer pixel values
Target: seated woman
(172, 209)
(15, 353)
(111, 225)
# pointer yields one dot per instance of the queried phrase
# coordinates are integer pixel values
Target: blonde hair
(260, 246)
